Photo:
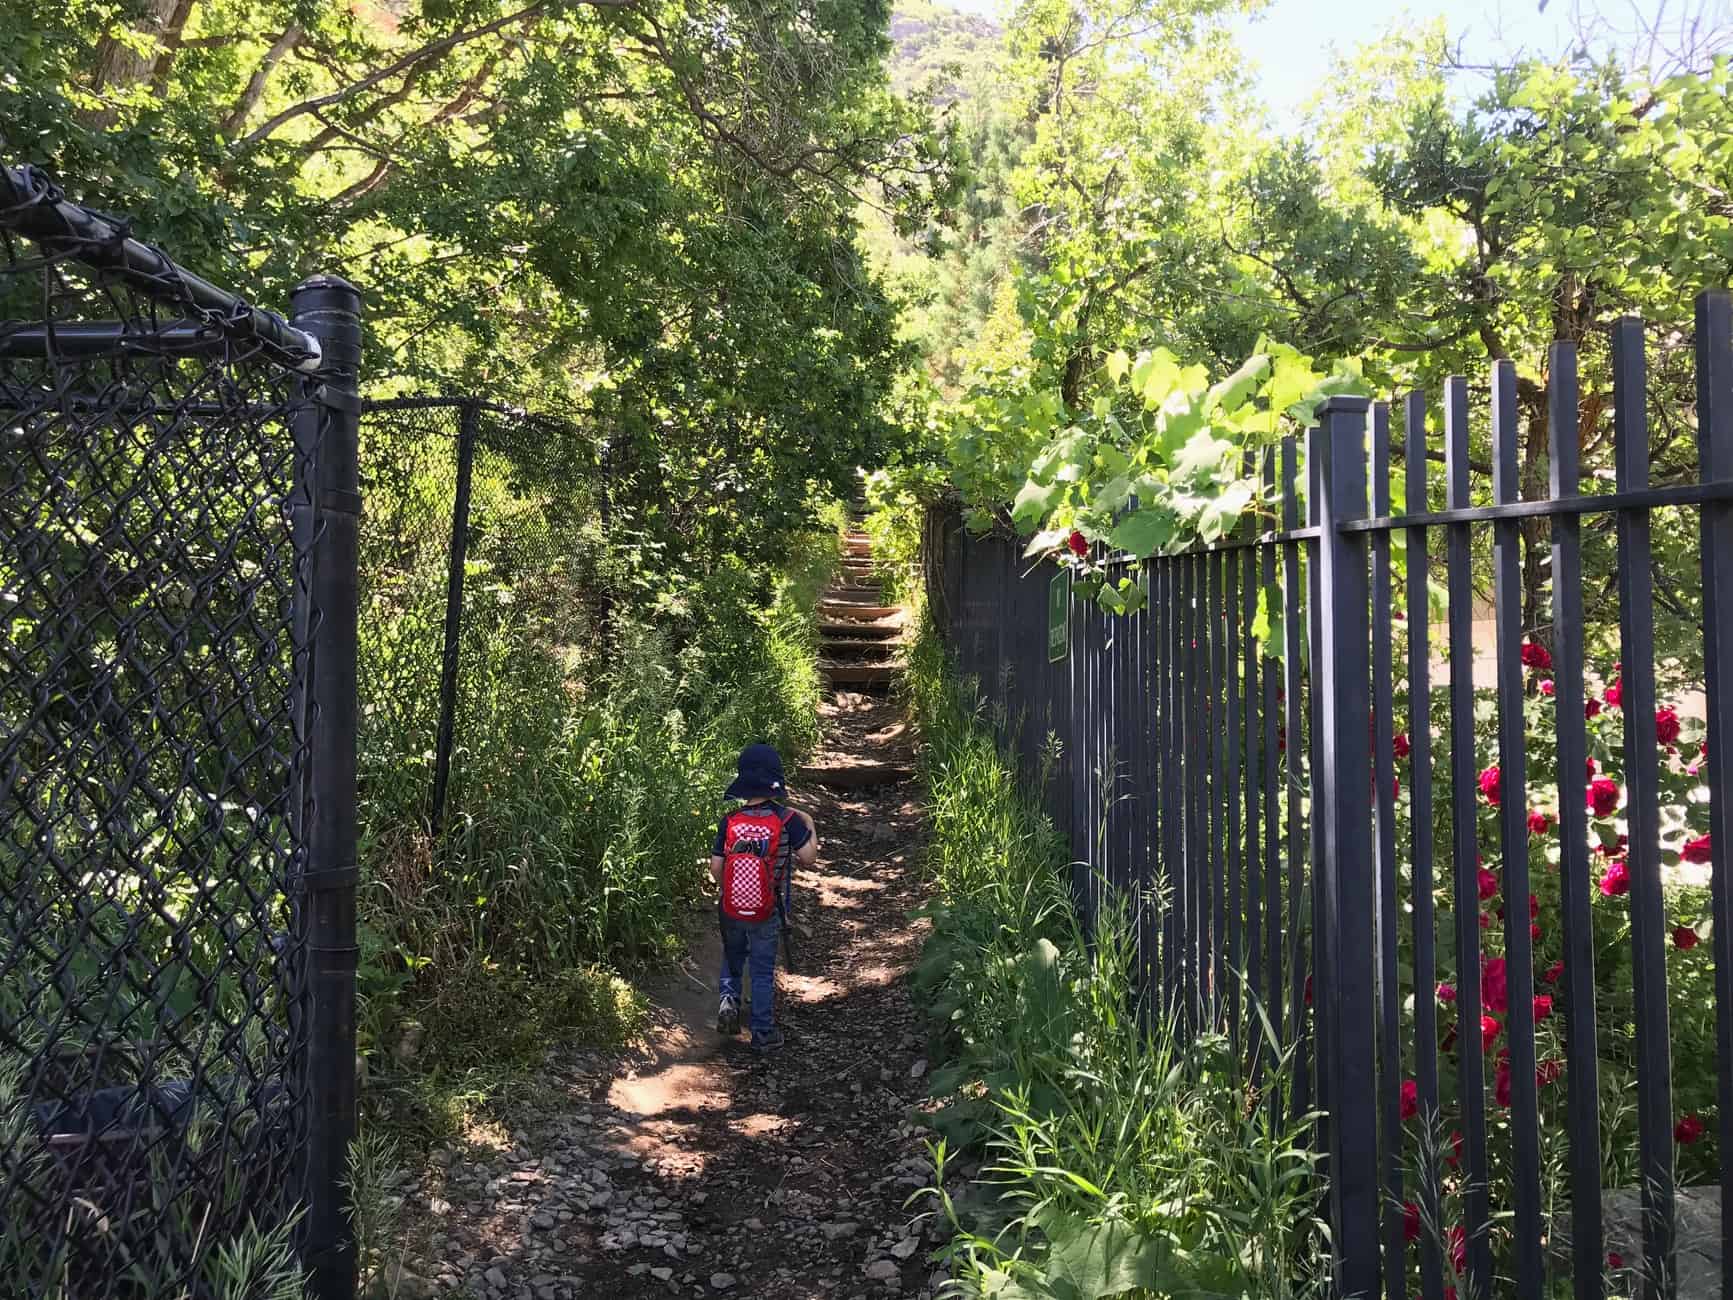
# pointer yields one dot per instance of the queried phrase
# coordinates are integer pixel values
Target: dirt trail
(697, 1167)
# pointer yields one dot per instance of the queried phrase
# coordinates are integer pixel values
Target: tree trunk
(118, 65)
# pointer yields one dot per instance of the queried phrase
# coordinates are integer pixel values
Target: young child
(752, 863)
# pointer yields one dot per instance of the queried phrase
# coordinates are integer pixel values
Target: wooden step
(852, 596)
(861, 652)
(861, 674)
(855, 776)
(848, 609)
(890, 629)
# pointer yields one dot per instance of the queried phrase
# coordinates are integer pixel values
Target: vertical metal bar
(1238, 752)
(1156, 923)
(1581, 1059)
(1321, 963)
(1257, 727)
(327, 427)
(1715, 463)
(1642, 812)
(1384, 847)
(1289, 761)
(1420, 835)
(1221, 801)
(1186, 683)
(1471, 1089)
(1256, 866)
(1197, 860)
(1173, 795)
(1347, 882)
(1513, 835)
(1270, 860)
(453, 612)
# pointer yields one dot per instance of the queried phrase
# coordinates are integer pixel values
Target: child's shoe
(728, 1018)
(767, 1042)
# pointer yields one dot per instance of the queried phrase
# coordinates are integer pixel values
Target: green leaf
(1201, 457)
(1145, 532)
(1092, 1261)
(1113, 494)
(1230, 394)
(1034, 503)
(1118, 363)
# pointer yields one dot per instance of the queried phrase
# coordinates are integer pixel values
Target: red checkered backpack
(751, 843)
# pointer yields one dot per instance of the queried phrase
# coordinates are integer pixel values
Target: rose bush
(1599, 794)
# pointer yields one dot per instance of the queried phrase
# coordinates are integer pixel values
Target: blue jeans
(754, 941)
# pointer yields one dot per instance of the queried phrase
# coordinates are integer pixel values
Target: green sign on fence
(1058, 616)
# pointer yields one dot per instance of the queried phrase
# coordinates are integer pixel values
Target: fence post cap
(324, 283)
(1345, 404)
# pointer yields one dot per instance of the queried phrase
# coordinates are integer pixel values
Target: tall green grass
(1115, 1157)
(586, 784)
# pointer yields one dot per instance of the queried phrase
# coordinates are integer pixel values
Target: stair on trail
(861, 648)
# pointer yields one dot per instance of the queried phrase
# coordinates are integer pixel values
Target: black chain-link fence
(473, 548)
(177, 509)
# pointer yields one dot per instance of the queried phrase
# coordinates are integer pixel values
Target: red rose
(1554, 971)
(1485, 921)
(1458, 1242)
(1534, 932)
(1688, 1130)
(1489, 1032)
(1616, 881)
(1666, 726)
(1591, 706)
(1684, 937)
(1402, 747)
(1489, 781)
(1410, 1099)
(1079, 547)
(1603, 796)
(1446, 993)
(1535, 656)
(1501, 1087)
(1616, 694)
(1542, 1006)
(1615, 1260)
(1696, 850)
(1533, 907)
(1538, 822)
(1410, 1221)
(1488, 884)
(1547, 688)
(1548, 1071)
(1495, 985)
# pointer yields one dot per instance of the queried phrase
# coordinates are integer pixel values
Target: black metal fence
(471, 547)
(178, 513)
(1254, 758)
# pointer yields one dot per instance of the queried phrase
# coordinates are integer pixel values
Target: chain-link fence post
(329, 309)
(454, 611)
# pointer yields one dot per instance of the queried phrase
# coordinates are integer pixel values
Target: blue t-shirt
(794, 831)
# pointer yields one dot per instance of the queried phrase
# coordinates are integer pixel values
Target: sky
(1290, 41)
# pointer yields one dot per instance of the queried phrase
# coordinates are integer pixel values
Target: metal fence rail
(178, 508)
(1278, 759)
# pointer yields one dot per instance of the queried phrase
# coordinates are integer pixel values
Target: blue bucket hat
(760, 774)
